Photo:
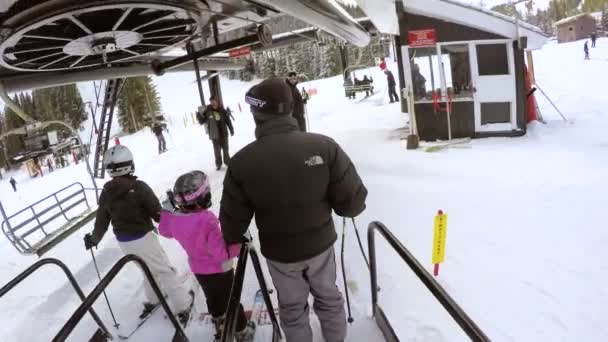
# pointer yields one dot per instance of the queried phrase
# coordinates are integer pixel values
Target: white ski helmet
(118, 161)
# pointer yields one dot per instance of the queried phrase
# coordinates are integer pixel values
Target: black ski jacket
(129, 204)
(298, 107)
(157, 129)
(290, 181)
(218, 121)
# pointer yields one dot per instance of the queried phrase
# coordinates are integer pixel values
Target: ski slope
(525, 258)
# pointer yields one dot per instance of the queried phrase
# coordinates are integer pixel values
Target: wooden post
(531, 66)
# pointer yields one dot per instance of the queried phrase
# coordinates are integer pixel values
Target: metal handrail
(457, 313)
(33, 268)
(51, 195)
(237, 288)
(77, 316)
(19, 241)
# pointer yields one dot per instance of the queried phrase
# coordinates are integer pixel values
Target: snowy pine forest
(313, 59)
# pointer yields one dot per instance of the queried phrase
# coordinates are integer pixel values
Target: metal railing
(33, 268)
(60, 207)
(463, 320)
(237, 288)
(88, 302)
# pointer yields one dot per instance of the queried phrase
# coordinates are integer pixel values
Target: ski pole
(116, 325)
(361, 246)
(553, 104)
(360, 243)
(350, 316)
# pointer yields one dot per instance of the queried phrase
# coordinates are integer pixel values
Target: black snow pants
(217, 292)
(162, 144)
(221, 146)
(392, 93)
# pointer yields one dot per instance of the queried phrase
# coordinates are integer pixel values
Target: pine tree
(281, 64)
(74, 107)
(508, 10)
(14, 144)
(329, 64)
(138, 103)
(605, 18)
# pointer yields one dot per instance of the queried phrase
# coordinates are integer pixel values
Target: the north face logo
(314, 161)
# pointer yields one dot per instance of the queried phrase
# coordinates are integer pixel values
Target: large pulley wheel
(57, 35)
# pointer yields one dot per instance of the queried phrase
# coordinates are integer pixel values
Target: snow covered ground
(525, 256)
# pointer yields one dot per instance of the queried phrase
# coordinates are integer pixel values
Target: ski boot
(148, 308)
(184, 316)
(219, 327)
(247, 334)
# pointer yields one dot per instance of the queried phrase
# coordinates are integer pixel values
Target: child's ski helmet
(192, 190)
(118, 161)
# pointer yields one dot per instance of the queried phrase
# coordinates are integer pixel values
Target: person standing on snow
(189, 221)
(593, 38)
(298, 101)
(130, 205)
(218, 123)
(13, 184)
(586, 49)
(157, 129)
(392, 92)
(291, 181)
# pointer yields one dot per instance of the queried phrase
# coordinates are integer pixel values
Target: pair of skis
(254, 315)
(143, 320)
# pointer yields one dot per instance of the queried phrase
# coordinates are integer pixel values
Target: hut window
(492, 59)
(570, 28)
(457, 70)
(425, 72)
(495, 112)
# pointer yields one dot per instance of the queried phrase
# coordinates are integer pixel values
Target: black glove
(89, 242)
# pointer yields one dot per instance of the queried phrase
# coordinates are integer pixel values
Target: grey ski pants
(294, 282)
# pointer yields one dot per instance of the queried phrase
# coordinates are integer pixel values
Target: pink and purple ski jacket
(200, 235)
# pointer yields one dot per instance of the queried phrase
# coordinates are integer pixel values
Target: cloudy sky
(542, 4)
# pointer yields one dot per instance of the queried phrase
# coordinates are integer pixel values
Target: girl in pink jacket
(197, 230)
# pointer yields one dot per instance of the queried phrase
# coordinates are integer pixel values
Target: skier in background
(130, 205)
(298, 101)
(188, 219)
(157, 129)
(392, 92)
(218, 124)
(49, 163)
(13, 184)
(586, 49)
(291, 181)
(593, 39)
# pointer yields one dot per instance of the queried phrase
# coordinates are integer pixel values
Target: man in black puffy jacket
(291, 181)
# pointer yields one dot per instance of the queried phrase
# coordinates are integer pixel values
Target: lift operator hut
(464, 63)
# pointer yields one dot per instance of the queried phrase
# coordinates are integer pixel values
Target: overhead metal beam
(39, 80)
(248, 40)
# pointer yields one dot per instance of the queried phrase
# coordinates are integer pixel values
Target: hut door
(494, 86)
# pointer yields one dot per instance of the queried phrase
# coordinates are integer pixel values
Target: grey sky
(542, 4)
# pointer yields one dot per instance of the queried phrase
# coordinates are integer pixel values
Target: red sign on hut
(422, 38)
(243, 51)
